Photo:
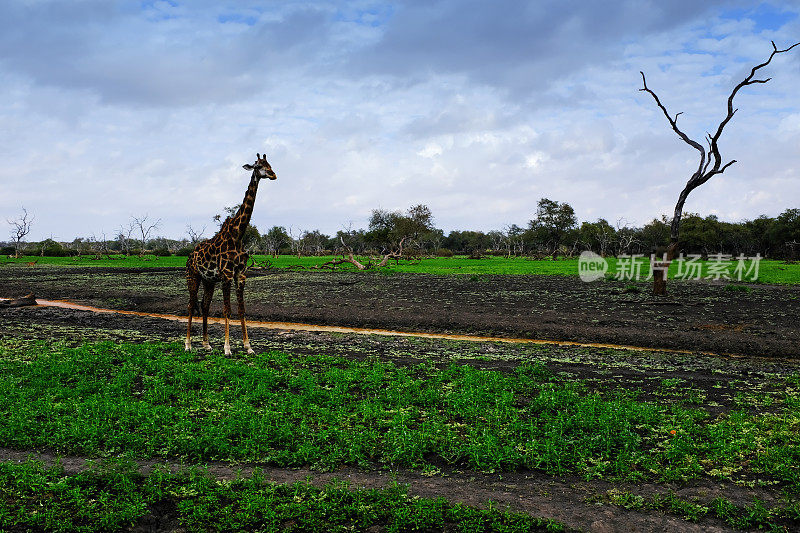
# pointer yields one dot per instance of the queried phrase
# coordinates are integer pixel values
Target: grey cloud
(514, 45)
(128, 56)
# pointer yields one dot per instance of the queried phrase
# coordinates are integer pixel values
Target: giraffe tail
(196, 308)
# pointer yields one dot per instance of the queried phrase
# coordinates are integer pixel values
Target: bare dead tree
(20, 228)
(626, 236)
(348, 256)
(124, 237)
(195, 236)
(145, 229)
(710, 164)
(395, 253)
(99, 247)
(295, 241)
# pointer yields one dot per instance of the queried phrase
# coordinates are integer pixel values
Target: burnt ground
(698, 316)
(757, 324)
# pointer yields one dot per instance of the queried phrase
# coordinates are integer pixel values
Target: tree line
(553, 231)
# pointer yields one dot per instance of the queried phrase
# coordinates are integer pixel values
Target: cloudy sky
(475, 108)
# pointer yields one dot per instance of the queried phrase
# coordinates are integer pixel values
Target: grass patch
(752, 516)
(155, 400)
(738, 288)
(33, 497)
(769, 271)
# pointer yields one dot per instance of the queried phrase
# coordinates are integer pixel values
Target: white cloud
(121, 111)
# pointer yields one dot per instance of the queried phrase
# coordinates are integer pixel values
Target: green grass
(154, 400)
(752, 516)
(770, 271)
(33, 497)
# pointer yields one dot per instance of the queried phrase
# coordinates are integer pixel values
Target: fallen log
(22, 301)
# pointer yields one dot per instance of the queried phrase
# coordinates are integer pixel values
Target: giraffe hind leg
(193, 284)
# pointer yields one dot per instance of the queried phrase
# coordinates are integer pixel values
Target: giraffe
(222, 259)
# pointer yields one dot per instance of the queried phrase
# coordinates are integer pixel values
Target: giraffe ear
(248, 167)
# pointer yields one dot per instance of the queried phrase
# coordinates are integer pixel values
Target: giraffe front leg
(240, 301)
(226, 297)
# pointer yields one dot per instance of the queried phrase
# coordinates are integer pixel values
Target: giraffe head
(261, 167)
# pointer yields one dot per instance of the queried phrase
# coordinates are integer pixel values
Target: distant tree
(700, 235)
(51, 248)
(124, 237)
(516, 239)
(313, 242)
(251, 240)
(497, 240)
(432, 240)
(275, 239)
(145, 227)
(195, 236)
(467, 242)
(599, 236)
(553, 222)
(784, 233)
(228, 211)
(710, 162)
(391, 230)
(627, 238)
(654, 235)
(20, 228)
(98, 247)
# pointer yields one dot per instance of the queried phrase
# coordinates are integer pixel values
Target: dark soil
(758, 325)
(697, 316)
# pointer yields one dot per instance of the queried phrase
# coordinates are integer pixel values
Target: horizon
(262, 231)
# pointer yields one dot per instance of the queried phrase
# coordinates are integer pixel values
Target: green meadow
(769, 271)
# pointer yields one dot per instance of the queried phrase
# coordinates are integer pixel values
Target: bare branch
(195, 236)
(729, 163)
(745, 82)
(673, 122)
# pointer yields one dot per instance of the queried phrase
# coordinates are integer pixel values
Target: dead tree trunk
(710, 163)
(22, 301)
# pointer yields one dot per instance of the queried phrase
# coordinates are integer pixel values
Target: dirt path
(573, 502)
(294, 326)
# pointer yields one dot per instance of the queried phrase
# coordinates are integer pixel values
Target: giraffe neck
(240, 221)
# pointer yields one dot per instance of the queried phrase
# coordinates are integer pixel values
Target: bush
(162, 252)
(185, 251)
(51, 248)
(444, 252)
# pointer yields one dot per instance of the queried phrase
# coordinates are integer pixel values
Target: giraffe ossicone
(222, 259)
